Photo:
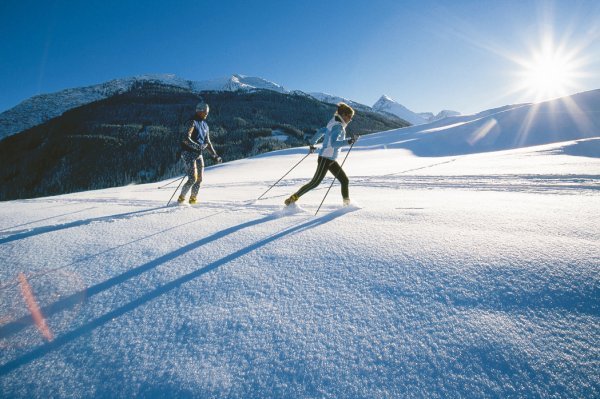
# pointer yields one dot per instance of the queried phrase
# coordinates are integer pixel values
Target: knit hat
(202, 107)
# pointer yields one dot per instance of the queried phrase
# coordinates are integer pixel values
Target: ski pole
(168, 184)
(177, 189)
(344, 161)
(283, 176)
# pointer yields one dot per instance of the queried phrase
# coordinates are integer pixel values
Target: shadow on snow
(155, 293)
(48, 229)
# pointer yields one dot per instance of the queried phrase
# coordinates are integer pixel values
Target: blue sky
(427, 55)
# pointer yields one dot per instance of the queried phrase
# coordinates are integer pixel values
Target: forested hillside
(134, 137)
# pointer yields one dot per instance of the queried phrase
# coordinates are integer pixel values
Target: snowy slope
(567, 118)
(41, 108)
(457, 276)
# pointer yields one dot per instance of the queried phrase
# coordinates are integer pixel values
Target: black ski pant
(324, 165)
(194, 168)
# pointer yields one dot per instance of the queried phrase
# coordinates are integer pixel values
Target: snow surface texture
(458, 276)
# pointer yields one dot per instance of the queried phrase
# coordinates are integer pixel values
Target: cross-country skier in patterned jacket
(335, 138)
(196, 140)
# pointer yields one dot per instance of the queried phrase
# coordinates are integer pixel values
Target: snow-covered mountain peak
(259, 83)
(237, 82)
(384, 102)
(389, 105)
(385, 98)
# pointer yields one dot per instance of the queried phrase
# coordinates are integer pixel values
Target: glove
(354, 139)
(311, 149)
(218, 159)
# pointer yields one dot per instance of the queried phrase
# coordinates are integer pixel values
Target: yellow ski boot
(293, 198)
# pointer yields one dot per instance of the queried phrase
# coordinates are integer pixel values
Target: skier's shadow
(103, 252)
(42, 220)
(155, 293)
(48, 229)
(73, 300)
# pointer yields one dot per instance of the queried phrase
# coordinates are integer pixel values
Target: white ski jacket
(335, 138)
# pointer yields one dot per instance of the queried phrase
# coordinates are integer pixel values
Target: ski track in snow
(443, 283)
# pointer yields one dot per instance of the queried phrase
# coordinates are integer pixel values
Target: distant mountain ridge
(333, 99)
(41, 108)
(386, 104)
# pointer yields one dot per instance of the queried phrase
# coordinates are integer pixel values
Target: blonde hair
(345, 109)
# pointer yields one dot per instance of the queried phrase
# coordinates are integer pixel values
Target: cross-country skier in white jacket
(334, 138)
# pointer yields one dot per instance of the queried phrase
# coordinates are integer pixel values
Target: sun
(548, 73)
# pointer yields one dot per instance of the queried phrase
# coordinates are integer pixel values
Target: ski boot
(180, 199)
(192, 200)
(293, 198)
(346, 201)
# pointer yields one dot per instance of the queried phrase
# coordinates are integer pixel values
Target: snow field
(452, 275)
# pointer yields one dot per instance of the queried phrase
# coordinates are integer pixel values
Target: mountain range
(41, 108)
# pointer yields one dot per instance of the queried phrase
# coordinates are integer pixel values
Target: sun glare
(548, 73)
(551, 70)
